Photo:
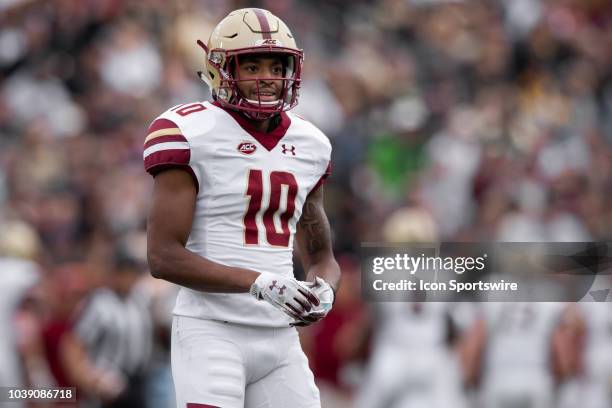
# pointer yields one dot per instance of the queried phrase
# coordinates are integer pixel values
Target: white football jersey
(251, 189)
(517, 367)
(414, 326)
(411, 364)
(18, 276)
(520, 335)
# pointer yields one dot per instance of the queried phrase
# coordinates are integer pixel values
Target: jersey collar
(267, 139)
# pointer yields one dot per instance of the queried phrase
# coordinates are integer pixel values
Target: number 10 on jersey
(277, 180)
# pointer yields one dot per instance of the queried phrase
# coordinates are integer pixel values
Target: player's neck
(266, 125)
(261, 125)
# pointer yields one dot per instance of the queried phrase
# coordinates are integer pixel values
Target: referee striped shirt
(116, 331)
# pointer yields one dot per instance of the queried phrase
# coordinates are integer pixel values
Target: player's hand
(289, 295)
(325, 294)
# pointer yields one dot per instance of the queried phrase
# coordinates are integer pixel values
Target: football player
(237, 180)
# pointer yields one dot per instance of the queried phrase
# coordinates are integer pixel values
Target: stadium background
(450, 120)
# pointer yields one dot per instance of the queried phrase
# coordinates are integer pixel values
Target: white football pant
(217, 364)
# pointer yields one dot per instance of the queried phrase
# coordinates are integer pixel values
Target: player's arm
(314, 242)
(471, 349)
(168, 227)
(567, 344)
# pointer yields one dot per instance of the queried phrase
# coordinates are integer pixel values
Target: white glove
(286, 294)
(325, 294)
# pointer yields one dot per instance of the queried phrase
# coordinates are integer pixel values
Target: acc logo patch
(246, 148)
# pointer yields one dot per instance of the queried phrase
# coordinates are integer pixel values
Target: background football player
(237, 180)
(413, 362)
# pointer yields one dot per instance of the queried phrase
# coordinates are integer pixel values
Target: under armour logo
(287, 149)
(280, 289)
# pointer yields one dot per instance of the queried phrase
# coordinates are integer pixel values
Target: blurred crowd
(476, 120)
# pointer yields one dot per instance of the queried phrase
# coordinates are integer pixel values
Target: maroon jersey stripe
(328, 170)
(159, 124)
(325, 175)
(162, 139)
(319, 184)
(263, 23)
(173, 157)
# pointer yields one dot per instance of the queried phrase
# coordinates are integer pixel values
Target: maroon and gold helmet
(246, 32)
